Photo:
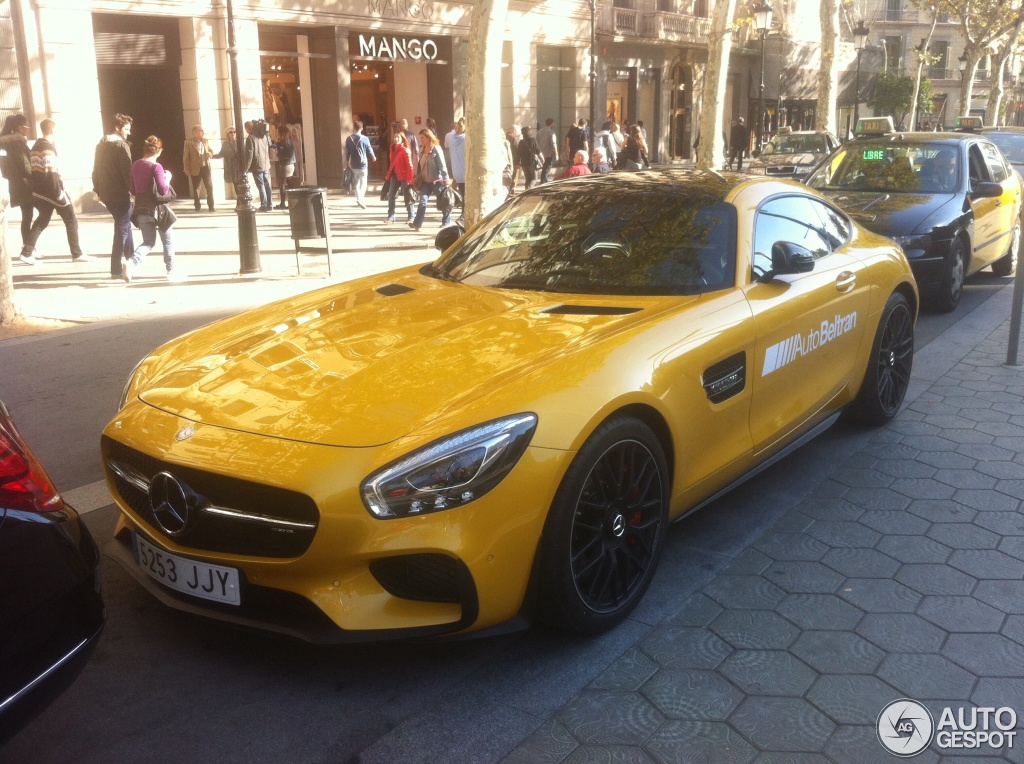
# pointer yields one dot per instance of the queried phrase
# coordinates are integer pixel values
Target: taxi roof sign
(969, 123)
(874, 126)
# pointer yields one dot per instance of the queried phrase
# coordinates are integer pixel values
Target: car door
(809, 325)
(988, 212)
(1008, 205)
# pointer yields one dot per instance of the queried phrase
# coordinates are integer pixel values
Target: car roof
(947, 138)
(1004, 129)
(672, 181)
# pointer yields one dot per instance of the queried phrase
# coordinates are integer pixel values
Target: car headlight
(449, 472)
(130, 386)
(917, 241)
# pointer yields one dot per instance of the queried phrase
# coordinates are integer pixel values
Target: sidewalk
(206, 245)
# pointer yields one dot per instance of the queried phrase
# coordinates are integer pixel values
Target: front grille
(280, 536)
(790, 170)
(421, 577)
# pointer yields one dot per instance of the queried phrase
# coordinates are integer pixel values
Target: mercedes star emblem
(173, 503)
(185, 432)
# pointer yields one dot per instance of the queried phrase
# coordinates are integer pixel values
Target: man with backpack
(359, 154)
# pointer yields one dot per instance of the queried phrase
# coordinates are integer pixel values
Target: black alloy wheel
(1004, 266)
(605, 532)
(952, 287)
(892, 357)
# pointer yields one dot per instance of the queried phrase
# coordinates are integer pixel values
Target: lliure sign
(398, 48)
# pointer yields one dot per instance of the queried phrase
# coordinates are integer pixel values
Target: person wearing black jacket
(530, 159)
(111, 180)
(17, 168)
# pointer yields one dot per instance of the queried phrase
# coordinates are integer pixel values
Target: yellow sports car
(506, 433)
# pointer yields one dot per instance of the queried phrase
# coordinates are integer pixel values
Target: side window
(979, 170)
(788, 218)
(837, 227)
(996, 163)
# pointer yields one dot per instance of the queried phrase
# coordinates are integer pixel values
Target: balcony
(939, 73)
(665, 26)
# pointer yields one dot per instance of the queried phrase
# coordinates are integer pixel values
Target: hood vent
(391, 290)
(590, 310)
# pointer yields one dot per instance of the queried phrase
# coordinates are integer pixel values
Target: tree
(711, 152)
(484, 152)
(1004, 49)
(8, 311)
(828, 75)
(982, 22)
(894, 95)
(923, 57)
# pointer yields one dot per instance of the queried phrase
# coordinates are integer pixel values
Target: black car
(51, 610)
(793, 154)
(951, 200)
(1010, 141)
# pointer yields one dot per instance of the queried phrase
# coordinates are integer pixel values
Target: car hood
(367, 363)
(890, 214)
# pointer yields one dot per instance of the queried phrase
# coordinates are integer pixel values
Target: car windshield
(799, 144)
(592, 240)
(1011, 144)
(921, 168)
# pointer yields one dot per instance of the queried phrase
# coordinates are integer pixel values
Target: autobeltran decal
(787, 351)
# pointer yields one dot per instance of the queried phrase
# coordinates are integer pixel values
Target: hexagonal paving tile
(1013, 546)
(750, 592)
(628, 672)
(783, 724)
(680, 741)
(698, 610)
(984, 452)
(601, 717)
(677, 647)
(901, 633)
(609, 754)
(842, 534)
(775, 757)
(861, 563)
(914, 549)
(1003, 523)
(987, 564)
(996, 693)
(877, 498)
(966, 479)
(803, 576)
(986, 501)
(548, 744)
(961, 614)
(768, 672)
(906, 468)
(936, 579)
(851, 699)
(925, 676)
(942, 511)
(692, 694)
(1014, 628)
(923, 488)
(837, 652)
(902, 522)
(749, 562)
(866, 478)
(755, 629)
(988, 655)
(819, 611)
(859, 745)
(1004, 595)
(963, 536)
(790, 546)
(878, 595)
(818, 508)
(946, 460)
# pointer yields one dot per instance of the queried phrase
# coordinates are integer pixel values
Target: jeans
(359, 184)
(284, 171)
(393, 191)
(67, 214)
(123, 245)
(427, 190)
(262, 180)
(147, 225)
(206, 179)
(546, 169)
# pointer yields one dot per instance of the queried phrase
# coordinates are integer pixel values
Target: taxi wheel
(606, 528)
(952, 287)
(1005, 265)
(888, 373)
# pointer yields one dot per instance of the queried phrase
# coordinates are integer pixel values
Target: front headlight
(917, 241)
(130, 386)
(449, 472)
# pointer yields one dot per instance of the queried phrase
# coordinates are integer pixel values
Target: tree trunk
(922, 58)
(8, 311)
(828, 76)
(995, 93)
(484, 154)
(967, 81)
(711, 153)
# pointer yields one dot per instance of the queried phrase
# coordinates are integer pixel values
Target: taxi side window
(996, 163)
(789, 218)
(979, 170)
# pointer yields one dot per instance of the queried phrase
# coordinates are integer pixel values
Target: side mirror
(791, 258)
(448, 236)
(986, 190)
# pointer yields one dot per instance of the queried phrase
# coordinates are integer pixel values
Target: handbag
(408, 194)
(538, 162)
(385, 189)
(346, 181)
(447, 199)
(165, 217)
(159, 198)
(292, 181)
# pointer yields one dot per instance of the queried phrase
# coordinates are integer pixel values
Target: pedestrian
(151, 185)
(112, 183)
(618, 137)
(196, 161)
(359, 154)
(548, 143)
(16, 166)
(257, 160)
(410, 136)
(431, 176)
(229, 153)
(285, 163)
(577, 168)
(457, 149)
(643, 130)
(530, 158)
(603, 140)
(400, 176)
(514, 135)
(576, 140)
(739, 144)
(508, 181)
(598, 161)
(634, 151)
(48, 194)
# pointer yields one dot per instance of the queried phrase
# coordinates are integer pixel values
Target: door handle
(846, 281)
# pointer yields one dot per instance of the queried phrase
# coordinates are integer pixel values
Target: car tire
(604, 535)
(887, 376)
(1004, 266)
(952, 286)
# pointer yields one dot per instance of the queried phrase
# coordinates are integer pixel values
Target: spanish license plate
(200, 579)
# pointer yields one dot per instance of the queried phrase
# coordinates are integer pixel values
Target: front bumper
(930, 265)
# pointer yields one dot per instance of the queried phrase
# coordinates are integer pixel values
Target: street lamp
(248, 244)
(860, 41)
(763, 22)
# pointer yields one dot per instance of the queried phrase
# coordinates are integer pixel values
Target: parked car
(793, 154)
(950, 200)
(51, 610)
(1010, 141)
(505, 433)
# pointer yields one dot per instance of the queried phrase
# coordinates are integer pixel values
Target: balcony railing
(939, 73)
(659, 25)
(626, 22)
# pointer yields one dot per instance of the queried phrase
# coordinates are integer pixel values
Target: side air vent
(726, 378)
(590, 310)
(390, 290)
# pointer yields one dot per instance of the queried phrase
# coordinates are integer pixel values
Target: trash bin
(307, 212)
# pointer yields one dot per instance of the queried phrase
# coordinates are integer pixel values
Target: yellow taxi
(504, 434)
